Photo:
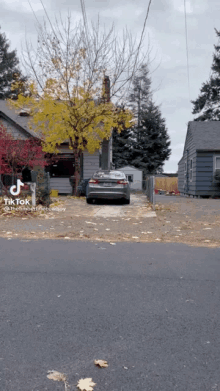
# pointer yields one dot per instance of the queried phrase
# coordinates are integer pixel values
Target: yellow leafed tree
(79, 120)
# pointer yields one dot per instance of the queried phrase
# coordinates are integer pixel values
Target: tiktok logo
(12, 188)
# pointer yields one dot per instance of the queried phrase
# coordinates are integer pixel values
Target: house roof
(13, 114)
(126, 167)
(205, 135)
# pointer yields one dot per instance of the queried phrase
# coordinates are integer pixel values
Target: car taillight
(122, 182)
(93, 181)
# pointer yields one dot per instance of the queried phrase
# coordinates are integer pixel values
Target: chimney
(105, 154)
(106, 89)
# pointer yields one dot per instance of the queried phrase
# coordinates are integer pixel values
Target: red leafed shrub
(15, 155)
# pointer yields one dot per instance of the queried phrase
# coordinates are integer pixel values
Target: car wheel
(127, 201)
(89, 200)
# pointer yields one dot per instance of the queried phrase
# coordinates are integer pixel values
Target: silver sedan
(108, 184)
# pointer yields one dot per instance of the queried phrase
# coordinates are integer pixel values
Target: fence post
(150, 183)
(152, 192)
(33, 193)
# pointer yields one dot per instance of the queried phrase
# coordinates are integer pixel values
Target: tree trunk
(77, 172)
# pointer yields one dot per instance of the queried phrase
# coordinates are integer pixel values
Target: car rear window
(110, 175)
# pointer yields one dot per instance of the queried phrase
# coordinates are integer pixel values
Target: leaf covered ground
(182, 220)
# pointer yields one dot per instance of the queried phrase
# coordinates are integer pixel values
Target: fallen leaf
(57, 376)
(113, 244)
(86, 384)
(101, 363)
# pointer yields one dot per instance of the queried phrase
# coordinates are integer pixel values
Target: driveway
(197, 206)
(176, 220)
(138, 207)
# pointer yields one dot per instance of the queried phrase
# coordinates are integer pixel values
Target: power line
(131, 77)
(142, 35)
(84, 19)
(187, 49)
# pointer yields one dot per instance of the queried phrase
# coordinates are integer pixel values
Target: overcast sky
(165, 32)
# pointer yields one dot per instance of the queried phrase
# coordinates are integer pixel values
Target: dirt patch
(190, 221)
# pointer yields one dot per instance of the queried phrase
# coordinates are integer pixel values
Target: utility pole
(139, 99)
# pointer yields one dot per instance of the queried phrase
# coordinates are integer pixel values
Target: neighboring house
(201, 158)
(169, 174)
(17, 125)
(134, 176)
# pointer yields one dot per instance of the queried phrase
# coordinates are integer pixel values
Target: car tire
(89, 200)
(127, 201)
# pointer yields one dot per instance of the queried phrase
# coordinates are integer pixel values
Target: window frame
(131, 175)
(215, 157)
(190, 169)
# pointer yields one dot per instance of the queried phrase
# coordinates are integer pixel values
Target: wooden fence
(166, 183)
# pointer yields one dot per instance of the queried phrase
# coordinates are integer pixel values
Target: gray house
(201, 158)
(16, 124)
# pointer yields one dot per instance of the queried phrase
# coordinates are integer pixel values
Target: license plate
(107, 184)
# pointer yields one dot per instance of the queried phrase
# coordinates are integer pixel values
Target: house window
(216, 166)
(129, 178)
(217, 163)
(63, 168)
(190, 170)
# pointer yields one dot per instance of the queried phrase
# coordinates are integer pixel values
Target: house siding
(61, 184)
(205, 183)
(182, 178)
(202, 182)
(90, 163)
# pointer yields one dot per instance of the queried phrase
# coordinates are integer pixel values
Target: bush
(43, 197)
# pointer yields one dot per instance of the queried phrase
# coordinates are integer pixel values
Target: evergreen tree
(121, 147)
(137, 102)
(9, 71)
(208, 101)
(141, 92)
(150, 148)
(144, 145)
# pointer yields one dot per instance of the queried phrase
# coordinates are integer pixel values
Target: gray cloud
(166, 29)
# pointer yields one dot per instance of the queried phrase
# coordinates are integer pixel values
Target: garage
(134, 176)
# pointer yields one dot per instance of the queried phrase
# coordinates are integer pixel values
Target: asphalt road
(150, 309)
